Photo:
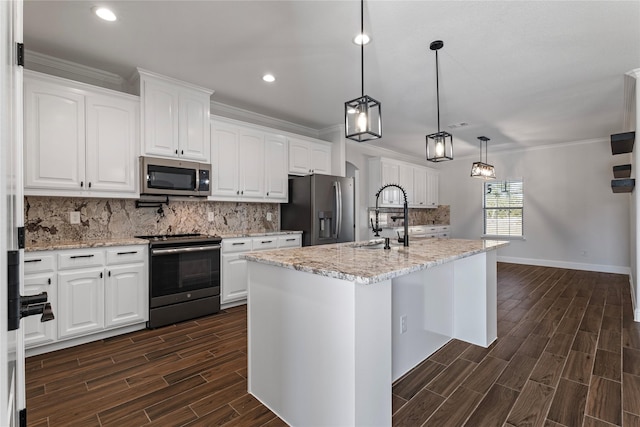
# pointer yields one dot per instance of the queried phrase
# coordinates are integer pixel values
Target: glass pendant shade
(481, 169)
(363, 119)
(439, 146)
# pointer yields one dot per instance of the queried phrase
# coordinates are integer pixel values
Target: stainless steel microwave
(174, 177)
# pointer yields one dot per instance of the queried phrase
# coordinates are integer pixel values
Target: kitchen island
(331, 327)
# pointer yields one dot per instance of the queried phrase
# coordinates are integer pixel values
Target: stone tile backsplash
(47, 218)
(436, 216)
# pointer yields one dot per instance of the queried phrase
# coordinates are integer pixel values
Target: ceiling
(523, 73)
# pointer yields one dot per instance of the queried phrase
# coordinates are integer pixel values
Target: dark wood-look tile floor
(567, 354)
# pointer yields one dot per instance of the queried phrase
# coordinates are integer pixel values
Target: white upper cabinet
(80, 140)
(248, 164)
(306, 157)
(276, 181)
(420, 183)
(112, 129)
(175, 118)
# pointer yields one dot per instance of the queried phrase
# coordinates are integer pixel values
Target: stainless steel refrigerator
(323, 207)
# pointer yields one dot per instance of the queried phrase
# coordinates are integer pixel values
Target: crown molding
(243, 115)
(71, 70)
(375, 151)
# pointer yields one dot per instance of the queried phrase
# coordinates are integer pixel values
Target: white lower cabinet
(90, 290)
(234, 267)
(125, 300)
(80, 302)
(35, 331)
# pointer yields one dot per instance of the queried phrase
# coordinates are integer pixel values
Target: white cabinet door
(125, 296)
(321, 159)
(224, 147)
(307, 157)
(112, 139)
(35, 331)
(405, 179)
(194, 126)
(432, 189)
(419, 187)
(54, 132)
(299, 157)
(390, 175)
(276, 176)
(251, 163)
(160, 103)
(233, 277)
(80, 302)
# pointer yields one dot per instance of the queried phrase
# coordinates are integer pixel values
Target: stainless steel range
(184, 277)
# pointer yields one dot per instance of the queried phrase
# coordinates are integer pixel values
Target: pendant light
(481, 169)
(439, 144)
(363, 115)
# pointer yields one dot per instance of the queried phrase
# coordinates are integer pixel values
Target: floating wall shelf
(623, 185)
(622, 142)
(622, 171)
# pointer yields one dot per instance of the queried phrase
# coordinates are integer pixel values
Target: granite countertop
(97, 243)
(259, 234)
(354, 263)
(78, 244)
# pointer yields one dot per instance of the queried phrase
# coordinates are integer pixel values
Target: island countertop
(355, 263)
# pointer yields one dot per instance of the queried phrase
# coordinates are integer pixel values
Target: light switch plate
(74, 217)
(269, 216)
(210, 216)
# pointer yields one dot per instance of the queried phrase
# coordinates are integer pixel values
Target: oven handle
(184, 250)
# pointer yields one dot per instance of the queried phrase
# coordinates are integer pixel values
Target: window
(503, 204)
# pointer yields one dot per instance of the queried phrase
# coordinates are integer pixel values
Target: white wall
(633, 94)
(572, 219)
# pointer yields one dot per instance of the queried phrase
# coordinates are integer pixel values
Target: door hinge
(13, 282)
(21, 238)
(23, 417)
(20, 54)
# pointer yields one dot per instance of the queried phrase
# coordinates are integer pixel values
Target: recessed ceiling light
(104, 13)
(361, 39)
(269, 78)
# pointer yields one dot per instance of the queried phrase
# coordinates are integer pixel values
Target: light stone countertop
(79, 244)
(354, 263)
(259, 234)
(97, 243)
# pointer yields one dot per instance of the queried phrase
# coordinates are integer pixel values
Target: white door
(276, 167)
(194, 126)
(251, 163)
(80, 302)
(321, 159)
(12, 396)
(234, 277)
(224, 148)
(125, 295)
(160, 118)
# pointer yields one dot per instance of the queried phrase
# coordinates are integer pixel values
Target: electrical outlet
(210, 216)
(74, 217)
(403, 324)
(269, 216)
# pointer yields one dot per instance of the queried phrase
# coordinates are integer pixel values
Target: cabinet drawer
(266, 242)
(236, 245)
(126, 255)
(290, 241)
(38, 263)
(80, 259)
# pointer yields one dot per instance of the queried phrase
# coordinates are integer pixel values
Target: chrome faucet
(376, 228)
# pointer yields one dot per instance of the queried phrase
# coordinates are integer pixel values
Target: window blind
(503, 207)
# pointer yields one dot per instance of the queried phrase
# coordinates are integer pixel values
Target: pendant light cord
(362, 46)
(438, 91)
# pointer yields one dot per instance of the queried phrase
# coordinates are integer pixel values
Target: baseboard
(569, 265)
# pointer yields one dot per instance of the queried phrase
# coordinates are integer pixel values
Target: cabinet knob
(267, 193)
(176, 151)
(238, 192)
(89, 184)
(109, 273)
(242, 192)
(101, 275)
(49, 281)
(182, 152)
(81, 184)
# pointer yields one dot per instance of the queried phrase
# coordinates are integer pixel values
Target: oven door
(183, 274)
